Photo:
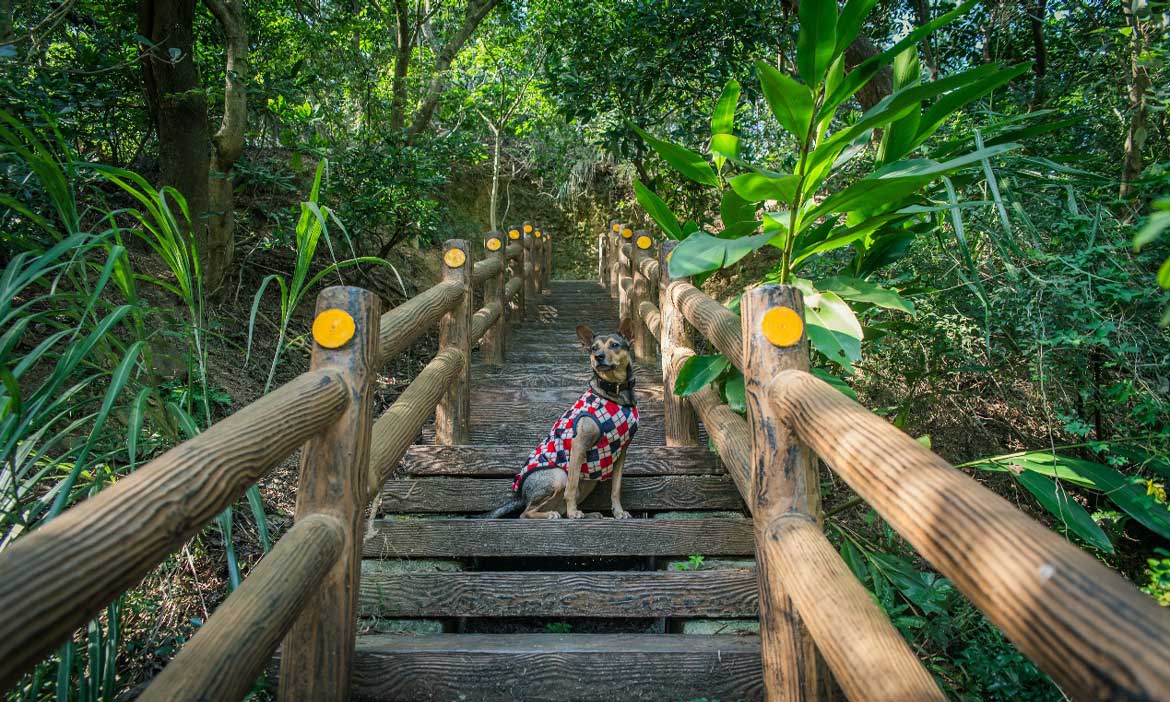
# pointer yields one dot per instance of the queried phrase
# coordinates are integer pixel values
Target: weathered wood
(530, 268)
(488, 429)
(58, 577)
(784, 483)
(867, 655)
(514, 251)
(406, 322)
(318, 649)
(537, 262)
(400, 423)
(558, 667)
(715, 322)
(446, 495)
(651, 317)
(504, 461)
(615, 241)
(483, 320)
(446, 538)
(228, 653)
(485, 269)
(517, 310)
(1080, 622)
(512, 288)
(711, 593)
(453, 413)
(492, 347)
(491, 390)
(679, 419)
(644, 343)
(650, 267)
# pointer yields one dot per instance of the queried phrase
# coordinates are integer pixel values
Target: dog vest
(618, 425)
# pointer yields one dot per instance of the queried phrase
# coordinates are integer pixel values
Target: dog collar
(613, 388)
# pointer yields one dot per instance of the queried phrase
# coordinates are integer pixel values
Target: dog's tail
(509, 509)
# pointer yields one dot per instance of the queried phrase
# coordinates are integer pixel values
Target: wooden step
(489, 392)
(528, 431)
(557, 667)
(454, 538)
(666, 492)
(712, 593)
(505, 460)
(519, 372)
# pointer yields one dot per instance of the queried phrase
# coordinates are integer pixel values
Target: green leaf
(1070, 515)
(832, 327)
(701, 252)
(865, 291)
(898, 138)
(1157, 223)
(1164, 275)
(977, 87)
(682, 159)
(837, 383)
(817, 39)
(723, 119)
(698, 372)
(843, 237)
(764, 185)
(790, 102)
(735, 393)
(724, 146)
(849, 23)
(1130, 497)
(736, 212)
(658, 210)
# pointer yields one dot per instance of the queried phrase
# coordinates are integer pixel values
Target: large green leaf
(817, 39)
(1126, 494)
(700, 252)
(698, 372)
(865, 291)
(1070, 515)
(760, 186)
(898, 138)
(734, 392)
(790, 102)
(832, 327)
(658, 210)
(849, 23)
(682, 159)
(842, 237)
(723, 119)
(838, 384)
(977, 87)
(737, 213)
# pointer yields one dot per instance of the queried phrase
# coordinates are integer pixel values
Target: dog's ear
(585, 334)
(626, 329)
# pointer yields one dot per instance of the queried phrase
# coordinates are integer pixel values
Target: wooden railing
(303, 592)
(1093, 632)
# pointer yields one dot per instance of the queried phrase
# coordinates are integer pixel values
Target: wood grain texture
(512, 288)
(228, 653)
(400, 423)
(504, 461)
(453, 413)
(518, 306)
(406, 322)
(514, 251)
(318, 648)
(867, 655)
(444, 538)
(645, 342)
(529, 272)
(715, 322)
(493, 346)
(56, 578)
(710, 593)
(679, 420)
(483, 319)
(485, 269)
(652, 318)
(650, 268)
(784, 482)
(614, 265)
(1080, 622)
(444, 495)
(557, 668)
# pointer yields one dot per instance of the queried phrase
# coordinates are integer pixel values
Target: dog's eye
(614, 345)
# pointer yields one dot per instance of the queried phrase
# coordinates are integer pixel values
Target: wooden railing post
(545, 260)
(453, 414)
(529, 286)
(494, 340)
(603, 240)
(615, 256)
(682, 428)
(318, 651)
(643, 339)
(516, 312)
(784, 484)
(538, 257)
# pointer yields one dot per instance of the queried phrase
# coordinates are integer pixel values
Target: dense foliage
(974, 198)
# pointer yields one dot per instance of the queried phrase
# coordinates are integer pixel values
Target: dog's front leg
(615, 490)
(586, 437)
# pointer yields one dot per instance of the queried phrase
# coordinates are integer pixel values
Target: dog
(588, 443)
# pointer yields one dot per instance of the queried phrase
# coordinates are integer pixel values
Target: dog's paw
(554, 515)
(575, 514)
(621, 514)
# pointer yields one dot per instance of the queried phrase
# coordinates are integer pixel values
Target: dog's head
(609, 354)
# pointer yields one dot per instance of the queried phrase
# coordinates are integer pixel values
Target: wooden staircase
(488, 593)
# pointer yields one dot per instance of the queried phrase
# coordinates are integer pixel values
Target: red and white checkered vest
(618, 425)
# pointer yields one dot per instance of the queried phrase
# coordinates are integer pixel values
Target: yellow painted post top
(536, 234)
(454, 258)
(617, 227)
(627, 232)
(513, 234)
(493, 244)
(527, 228)
(644, 242)
(333, 328)
(782, 326)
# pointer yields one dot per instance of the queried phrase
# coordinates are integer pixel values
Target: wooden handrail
(512, 288)
(1080, 622)
(223, 659)
(482, 270)
(58, 577)
(514, 251)
(400, 326)
(649, 313)
(678, 418)
(715, 322)
(483, 318)
(494, 341)
(649, 268)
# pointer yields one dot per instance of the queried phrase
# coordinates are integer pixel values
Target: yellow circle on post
(782, 326)
(617, 227)
(627, 233)
(537, 234)
(514, 234)
(454, 258)
(527, 228)
(644, 242)
(333, 328)
(493, 244)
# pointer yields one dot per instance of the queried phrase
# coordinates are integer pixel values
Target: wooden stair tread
(557, 667)
(453, 538)
(639, 493)
(505, 460)
(711, 593)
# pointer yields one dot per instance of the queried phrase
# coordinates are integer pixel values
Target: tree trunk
(228, 142)
(1036, 14)
(1139, 83)
(497, 134)
(403, 50)
(177, 105)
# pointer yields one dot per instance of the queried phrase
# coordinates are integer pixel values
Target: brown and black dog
(588, 443)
